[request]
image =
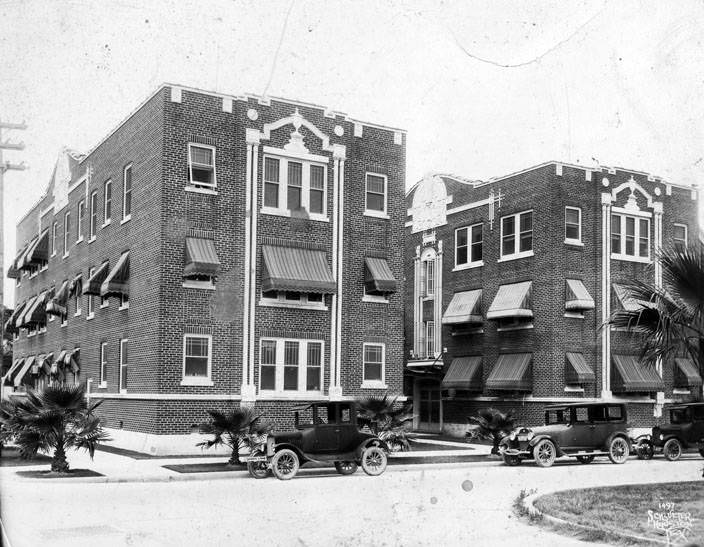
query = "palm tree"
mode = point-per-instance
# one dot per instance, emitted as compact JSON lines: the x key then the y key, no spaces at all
{"x":240,"y":428}
{"x":670,"y":317}
{"x":55,"y":419}
{"x":387,"y":419}
{"x":490,"y":423}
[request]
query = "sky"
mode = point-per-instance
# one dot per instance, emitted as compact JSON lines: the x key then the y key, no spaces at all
{"x":483,"y":88}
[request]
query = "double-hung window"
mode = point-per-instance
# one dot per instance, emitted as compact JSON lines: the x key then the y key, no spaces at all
{"x":67,"y":233}
{"x":294,"y":185}
{"x":573,"y":225}
{"x":201,"y":165}
{"x":91,"y":303}
{"x":77,"y":298}
{"x":375,"y":194}
{"x":93,"y":228}
{"x":123,"y":364}
{"x":517,"y":235}
{"x":290,"y":366}
{"x":54,"y":237}
{"x":107,"y":203}
{"x":127,"y":193}
{"x":79,"y":220}
{"x":630,"y":237}
{"x":468,"y":246}
{"x":679,"y":235}
{"x":103,"y":364}
{"x":197,"y":359}
{"x":374,"y":365}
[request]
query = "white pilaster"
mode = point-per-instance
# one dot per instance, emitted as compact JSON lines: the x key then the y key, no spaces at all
{"x":437,"y":309}
{"x":657,"y":247}
{"x":339,"y":154}
{"x":606,"y":295}
{"x":416,"y":302}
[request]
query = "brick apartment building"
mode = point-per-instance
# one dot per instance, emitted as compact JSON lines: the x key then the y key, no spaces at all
{"x":212,"y":251}
{"x":509,"y":281}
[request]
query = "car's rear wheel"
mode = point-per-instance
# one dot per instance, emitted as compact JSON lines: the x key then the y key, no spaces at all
{"x":619,"y":449}
{"x":545,"y":453}
{"x":511,"y":460}
{"x":672,"y":450}
{"x":285,"y":464}
{"x":585,"y":459}
{"x":373,"y":460}
{"x":346,"y":468}
{"x":259,"y":470}
{"x":645,"y":450}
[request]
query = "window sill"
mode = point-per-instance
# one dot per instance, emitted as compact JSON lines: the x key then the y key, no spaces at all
{"x":44,"y":268}
{"x":104,"y":305}
{"x":123,"y":391}
{"x":678,"y":391}
{"x":507,"y":258}
{"x":125,"y":221}
{"x":520,"y":327}
{"x":574,"y":389}
{"x":468,"y":266}
{"x":318,"y":217}
{"x":90,"y":316}
{"x":125,"y":307}
{"x":373,"y":385}
{"x":63,"y":325}
{"x":296,"y":395}
{"x":106,"y":223}
{"x":279,"y":304}
{"x":376,"y":214}
{"x":375,"y":299}
{"x":103,"y":385}
{"x":79,"y":240}
{"x":65,"y":256}
{"x":91,"y":240}
{"x":574,"y":242}
{"x":574,"y":315}
{"x":205,"y":285}
{"x":197,"y":382}
{"x":53,"y":254}
{"x":201,"y":190}
{"x":628,"y":258}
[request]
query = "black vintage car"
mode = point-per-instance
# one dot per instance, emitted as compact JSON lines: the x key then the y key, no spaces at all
{"x":325,"y":432}
{"x":581,"y":430}
{"x":685,"y":430}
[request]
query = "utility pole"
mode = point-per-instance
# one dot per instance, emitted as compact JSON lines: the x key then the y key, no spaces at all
{"x":6,"y":166}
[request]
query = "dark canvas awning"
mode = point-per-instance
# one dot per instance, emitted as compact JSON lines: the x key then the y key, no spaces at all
{"x":686,"y":374}
{"x":16,"y":365}
{"x":577,"y":371}
{"x":11,"y":323}
{"x":20,"y":322}
{"x":577,"y":297}
{"x":36,"y":313}
{"x":628,"y":375}
{"x":28,"y":362}
{"x":92,"y":286}
{"x":72,"y":360}
{"x":116,"y":283}
{"x":464,"y":373}
{"x":44,"y":363}
{"x":13,"y":271}
{"x":626,"y":301}
{"x":76,"y":285}
{"x":512,"y":372}
{"x":22,"y":263}
{"x":512,"y":300}
{"x":378,"y":278}
{"x":57,"y":304}
{"x":465,"y":307}
{"x":201,"y":257}
{"x":39,"y":252}
{"x":294,"y":269}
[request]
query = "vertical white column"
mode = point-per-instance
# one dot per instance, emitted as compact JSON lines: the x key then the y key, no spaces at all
{"x":335,"y":390}
{"x":657,"y":246}
{"x":605,"y":295}
{"x":416,"y":303}
{"x":437,"y":304}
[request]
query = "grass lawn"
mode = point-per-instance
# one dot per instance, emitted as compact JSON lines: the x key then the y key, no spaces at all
{"x":625,"y":508}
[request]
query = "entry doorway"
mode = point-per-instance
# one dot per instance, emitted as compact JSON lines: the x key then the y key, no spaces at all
{"x":428,"y":408}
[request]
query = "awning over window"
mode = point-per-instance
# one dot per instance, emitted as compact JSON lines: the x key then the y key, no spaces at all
{"x":16,"y":365}
{"x":22,"y":262}
{"x":57,"y":304}
{"x":465,"y":307}
{"x":512,"y":372}
{"x":577,"y":371}
{"x":72,"y":360}
{"x":92,"y":286}
{"x":11,"y":323}
{"x":76,"y":285}
{"x":13,"y":271}
{"x":686,"y":374}
{"x":28,"y":362}
{"x":39,"y":252}
{"x":512,"y":301}
{"x":22,"y":317}
{"x":36,"y":313}
{"x":294,"y":269}
{"x":628,"y":375}
{"x":625,"y":300}
{"x":116,"y":283}
{"x":378,"y":278}
{"x":43,"y":364}
{"x":201,"y":258}
{"x":577,"y":296}
{"x":464,"y":373}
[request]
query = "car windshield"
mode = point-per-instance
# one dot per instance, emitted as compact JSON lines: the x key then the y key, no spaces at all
{"x":679,"y":416}
{"x":556,"y":416}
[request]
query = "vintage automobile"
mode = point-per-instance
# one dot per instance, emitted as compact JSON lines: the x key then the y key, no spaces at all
{"x":685,"y":430}
{"x":325,"y":432}
{"x":580,"y":430}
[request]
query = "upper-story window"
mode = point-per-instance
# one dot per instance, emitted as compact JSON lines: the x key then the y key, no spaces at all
{"x":573,"y":225}
{"x":107,"y":203}
{"x":429,"y":277}
{"x":54,"y":237}
{"x":292,"y":299}
{"x":127,"y":193}
{"x":123,"y":364}
{"x":517,"y":235}
{"x":67,"y":233}
{"x":630,"y":237}
{"x":201,"y":165}
{"x":291,"y":185}
{"x":375,"y":195}
{"x":79,"y":220}
{"x":374,"y":365}
{"x":103,"y":364}
{"x":93,"y":228}
{"x":468,"y":245}
{"x":679,"y":235}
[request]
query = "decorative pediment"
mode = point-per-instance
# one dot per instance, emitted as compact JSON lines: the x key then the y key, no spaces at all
{"x":631,"y":202}
{"x":297,"y":141}
{"x":429,"y":207}
{"x":61,"y":180}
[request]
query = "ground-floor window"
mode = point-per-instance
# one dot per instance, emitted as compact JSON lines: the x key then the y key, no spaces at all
{"x":197,"y":359}
{"x":374,"y":358}
{"x":290,"y":366}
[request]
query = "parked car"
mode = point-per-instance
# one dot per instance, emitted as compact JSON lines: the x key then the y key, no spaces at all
{"x":685,"y":430}
{"x":325,"y":432}
{"x":580,"y":430}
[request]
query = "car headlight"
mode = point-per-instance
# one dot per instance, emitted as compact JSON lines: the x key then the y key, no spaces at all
{"x":661,"y":437}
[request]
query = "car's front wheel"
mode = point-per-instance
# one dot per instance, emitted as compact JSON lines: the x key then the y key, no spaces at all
{"x":259,"y":470}
{"x":545,"y":453}
{"x":346,"y":468}
{"x":672,"y":450}
{"x":373,"y":460}
{"x":285,"y":464}
{"x":619,"y":450}
{"x":585,"y":459}
{"x":645,"y":450}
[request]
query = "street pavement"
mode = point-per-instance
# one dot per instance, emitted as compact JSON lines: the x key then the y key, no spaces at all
{"x":138,"y":502}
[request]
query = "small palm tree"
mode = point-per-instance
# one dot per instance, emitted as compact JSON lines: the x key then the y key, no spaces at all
{"x":490,"y":423}
{"x":387,"y":419}
{"x":240,"y":428}
{"x":55,"y":419}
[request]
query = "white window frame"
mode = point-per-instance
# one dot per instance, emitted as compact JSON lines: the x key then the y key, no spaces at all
{"x":91,"y":302}
{"x":124,"y":302}
{"x":93,"y":219}
{"x":197,"y":380}
{"x":123,"y":364}
{"x":374,"y":212}
{"x":282,"y":302}
{"x":107,"y":219}
{"x":578,"y":240}
{"x":78,"y":301}
{"x":103,"y":365}
{"x":470,"y":263}
{"x":282,"y":208}
{"x":54,"y":236}
{"x":430,"y":341}
{"x":211,"y":185}
{"x":125,"y":215}
{"x":676,"y":240}
{"x":79,"y":220}
{"x":636,"y":235}
{"x":301,"y":392}
{"x":374,"y":384}
{"x":517,"y":237}
{"x":104,"y":302}
{"x":67,"y":232}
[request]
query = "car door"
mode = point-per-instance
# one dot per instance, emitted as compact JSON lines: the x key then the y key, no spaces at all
{"x":327,"y":432}
{"x":696,"y":433}
{"x":581,"y":429}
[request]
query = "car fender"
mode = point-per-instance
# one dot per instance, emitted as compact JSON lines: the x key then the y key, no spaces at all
{"x":373,"y":441}
{"x":535,"y":440}
{"x":666,"y":438}
{"x":301,"y":456}
{"x":615,"y":434}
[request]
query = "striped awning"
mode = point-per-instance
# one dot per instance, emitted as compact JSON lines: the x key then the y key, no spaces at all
{"x":512,"y":300}
{"x":28,"y":362}
{"x":686,"y":373}
{"x":295,"y":269}
{"x":13,"y":271}
{"x":19,"y":322}
{"x":512,"y":372}
{"x":464,"y":373}
{"x":628,"y":375}
{"x":577,"y":371}
{"x":44,"y":364}
{"x":76,"y":285}
{"x":378,"y":278}
{"x":116,"y":283}
{"x":57,"y":304}
{"x":95,"y":281}
{"x":626,"y":301}
{"x":72,"y":360}
{"x":16,"y":365}
{"x":200,"y":257}
{"x":22,"y":263}
{"x":11,"y":323}
{"x":577,"y":297}
{"x":465,"y":307}
{"x":39,"y":251}
{"x":36,"y":312}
